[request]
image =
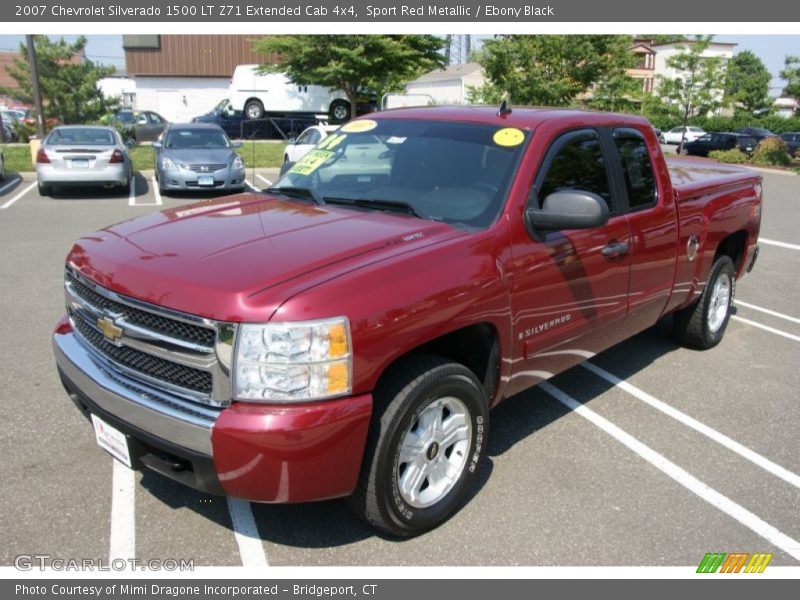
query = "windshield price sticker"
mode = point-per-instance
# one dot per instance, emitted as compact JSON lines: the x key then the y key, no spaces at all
{"x":331,"y":142}
{"x":310,"y":162}
{"x":508,"y":137}
{"x":359,"y":126}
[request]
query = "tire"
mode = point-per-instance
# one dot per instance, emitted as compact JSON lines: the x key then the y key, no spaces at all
{"x":254,"y":109}
{"x":339,"y":111}
{"x":703,"y":324}
{"x":415,"y":391}
{"x":44,"y":190}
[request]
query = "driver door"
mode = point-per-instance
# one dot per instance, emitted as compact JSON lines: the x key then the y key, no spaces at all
{"x":569,"y":288}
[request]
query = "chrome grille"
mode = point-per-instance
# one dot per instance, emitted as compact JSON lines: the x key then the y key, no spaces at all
{"x":210,"y":168}
{"x":186,"y":356}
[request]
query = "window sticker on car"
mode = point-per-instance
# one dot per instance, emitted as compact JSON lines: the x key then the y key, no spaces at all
{"x":310,"y":162}
{"x":359,"y":126}
{"x":331,"y":142}
{"x":508,"y":137}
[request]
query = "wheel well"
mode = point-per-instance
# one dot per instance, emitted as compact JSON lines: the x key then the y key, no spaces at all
{"x":734,"y":246}
{"x":249,"y":100}
{"x":476,"y":347}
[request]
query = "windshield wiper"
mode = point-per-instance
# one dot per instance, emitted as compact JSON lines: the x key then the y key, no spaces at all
{"x":297,"y":192}
{"x":378,"y":204}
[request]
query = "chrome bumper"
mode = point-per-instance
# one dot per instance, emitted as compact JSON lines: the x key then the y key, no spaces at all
{"x":148,"y":409}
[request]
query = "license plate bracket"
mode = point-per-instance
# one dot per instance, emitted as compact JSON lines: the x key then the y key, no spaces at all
{"x":112,"y":440}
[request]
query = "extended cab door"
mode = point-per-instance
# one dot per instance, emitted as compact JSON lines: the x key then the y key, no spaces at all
{"x":572,"y":284}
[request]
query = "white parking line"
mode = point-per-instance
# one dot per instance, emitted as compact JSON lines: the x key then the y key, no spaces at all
{"x":251,"y":186}
{"x":768,"y":311}
{"x":789,"y":336}
{"x":132,"y":196}
{"x":707,"y":431}
{"x":123,"y":505}
{"x":156,"y":194}
{"x":264,"y":179}
{"x":779,"y":244}
{"x":244,"y":529}
{"x":681,"y":476}
{"x":18,"y":196}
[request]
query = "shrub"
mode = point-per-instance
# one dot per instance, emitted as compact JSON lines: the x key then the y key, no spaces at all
{"x":732,"y":156}
{"x":772,"y":151}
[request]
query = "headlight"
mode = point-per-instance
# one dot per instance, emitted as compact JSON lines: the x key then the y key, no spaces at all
{"x":284,"y":362}
{"x":167,"y":164}
{"x":238,"y":162}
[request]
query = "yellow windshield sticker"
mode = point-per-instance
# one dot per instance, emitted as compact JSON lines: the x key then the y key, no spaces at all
{"x":508,"y":136}
{"x":359,"y":126}
{"x":333,"y":141}
{"x":310,"y":162}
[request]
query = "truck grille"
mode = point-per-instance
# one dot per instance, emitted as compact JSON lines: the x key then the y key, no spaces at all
{"x":184,"y":355}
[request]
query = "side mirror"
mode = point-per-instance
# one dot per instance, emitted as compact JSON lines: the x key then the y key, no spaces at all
{"x":574,"y":209}
{"x":291,"y":140}
{"x":130,"y":142}
{"x":229,"y":110}
{"x":236,"y":144}
{"x":141,"y":120}
{"x":157,"y":145}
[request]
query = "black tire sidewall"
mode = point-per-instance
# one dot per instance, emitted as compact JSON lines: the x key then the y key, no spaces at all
{"x":723,"y":267}
{"x":334,"y":105}
{"x":404,"y":515}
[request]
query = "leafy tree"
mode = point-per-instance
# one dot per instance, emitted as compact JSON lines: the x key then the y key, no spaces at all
{"x":350,"y":63}
{"x":69,"y":85}
{"x":662,"y":38}
{"x":748,"y":82}
{"x":698,"y":84}
{"x":552,"y":69}
{"x":791,"y":73}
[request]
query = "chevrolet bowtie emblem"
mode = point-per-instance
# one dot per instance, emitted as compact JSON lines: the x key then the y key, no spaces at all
{"x":110,"y":330}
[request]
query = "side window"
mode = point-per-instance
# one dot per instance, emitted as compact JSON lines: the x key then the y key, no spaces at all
{"x":636,"y":168}
{"x":154,"y":118}
{"x":313,"y":137}
{"x":578,"y":165}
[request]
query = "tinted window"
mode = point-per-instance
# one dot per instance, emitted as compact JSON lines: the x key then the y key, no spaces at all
{"x":637,"y":170}
{"x":154,"y":118}
{"x":578,"y":165}
{"x":86,"y":136}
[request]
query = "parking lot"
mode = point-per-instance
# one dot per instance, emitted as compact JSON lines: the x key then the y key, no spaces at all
{"x":652,"y":454}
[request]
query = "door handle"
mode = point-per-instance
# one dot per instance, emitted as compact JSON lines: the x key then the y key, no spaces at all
{"x":615,"y":249}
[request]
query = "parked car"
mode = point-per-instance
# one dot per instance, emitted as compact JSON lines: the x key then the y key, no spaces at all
{"x":758,"y":133}
{"x":674,"y":135}
{"x":792,"y":141}
{"x":298,"y":147}
{"x":8,"y":132}
{"x":234,"y":124}
{"x":659,"y":135}
{"x":347,"y":332}
{"x":720,"y":141}
{"x":258,"y":95}
{"x":197,"y":156}
{"x":81,"y":155}
{"x":12,"y":115}
{"x":144,"y":125}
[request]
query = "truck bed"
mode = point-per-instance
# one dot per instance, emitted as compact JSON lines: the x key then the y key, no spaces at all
{"x":693,"y":177}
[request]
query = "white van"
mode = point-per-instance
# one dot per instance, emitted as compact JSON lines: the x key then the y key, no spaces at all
{"x":272,"y":94}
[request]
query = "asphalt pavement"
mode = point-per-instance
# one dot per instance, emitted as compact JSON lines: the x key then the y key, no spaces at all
{"x":654,"y":454}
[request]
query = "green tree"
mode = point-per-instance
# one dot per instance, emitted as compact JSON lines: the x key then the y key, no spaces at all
{"x":791,"y":73}
{"x":748,"y":83}
{"x":552,"y":69}
{"x":69,"y":84}
{"x":350,"y":63}
{"x":698,"y":85}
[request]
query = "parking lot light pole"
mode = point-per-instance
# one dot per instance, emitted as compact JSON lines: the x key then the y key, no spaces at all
{"x":37,"y":92}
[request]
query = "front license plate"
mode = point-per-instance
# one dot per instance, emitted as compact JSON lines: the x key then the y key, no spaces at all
{"x":80,"y":163}
{"x":205,"y":180}
{"x":112,"y":440}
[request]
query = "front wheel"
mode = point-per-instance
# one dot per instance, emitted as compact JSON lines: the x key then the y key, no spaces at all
{"x":254,"y":109}
{"x":703,"y":324}
{"x":428,"y":436}
{"x":339,"y":111}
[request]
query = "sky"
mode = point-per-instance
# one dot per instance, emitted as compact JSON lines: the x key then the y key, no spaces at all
{"x":771,"y":49}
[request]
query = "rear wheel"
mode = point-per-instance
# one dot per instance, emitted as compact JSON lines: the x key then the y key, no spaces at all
{"x":703,"y":324}
{"x":339,"y":111}
{"x":428,"y":435}
{"x":254,"y":109}
{"x":44,"y":190}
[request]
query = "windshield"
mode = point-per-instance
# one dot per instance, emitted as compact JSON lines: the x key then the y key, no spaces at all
{"x":219,"y":107}
{"x":182,"y":139}
{"x":458,"y":173}
{"x":126,"y":117}
{"x":84,"y":135}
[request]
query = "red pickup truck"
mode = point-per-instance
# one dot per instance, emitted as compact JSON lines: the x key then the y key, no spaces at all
{"x":346,"y":332}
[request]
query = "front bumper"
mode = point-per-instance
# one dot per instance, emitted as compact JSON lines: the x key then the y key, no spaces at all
{"x":186,"y":180}
{"x":114,"y":174}
{"x":263,"y":453}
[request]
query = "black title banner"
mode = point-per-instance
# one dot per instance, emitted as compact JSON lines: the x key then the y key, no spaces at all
{"x":453,"y":11}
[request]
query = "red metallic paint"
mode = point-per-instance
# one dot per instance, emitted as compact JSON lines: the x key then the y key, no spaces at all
{"x":255,"y":258}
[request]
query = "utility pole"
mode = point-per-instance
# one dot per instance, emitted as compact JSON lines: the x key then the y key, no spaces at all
{"x":37,"y":92}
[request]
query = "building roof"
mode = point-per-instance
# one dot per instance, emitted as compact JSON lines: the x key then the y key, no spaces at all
{"x":458,"y":71}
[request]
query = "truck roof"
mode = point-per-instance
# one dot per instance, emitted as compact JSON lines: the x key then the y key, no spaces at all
{"x":523,"y":117}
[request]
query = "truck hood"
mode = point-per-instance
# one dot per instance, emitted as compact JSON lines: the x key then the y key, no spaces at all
{"x":227,"y":258}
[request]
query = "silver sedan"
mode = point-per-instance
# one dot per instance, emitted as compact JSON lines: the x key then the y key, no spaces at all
{"x":81,"y":155}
